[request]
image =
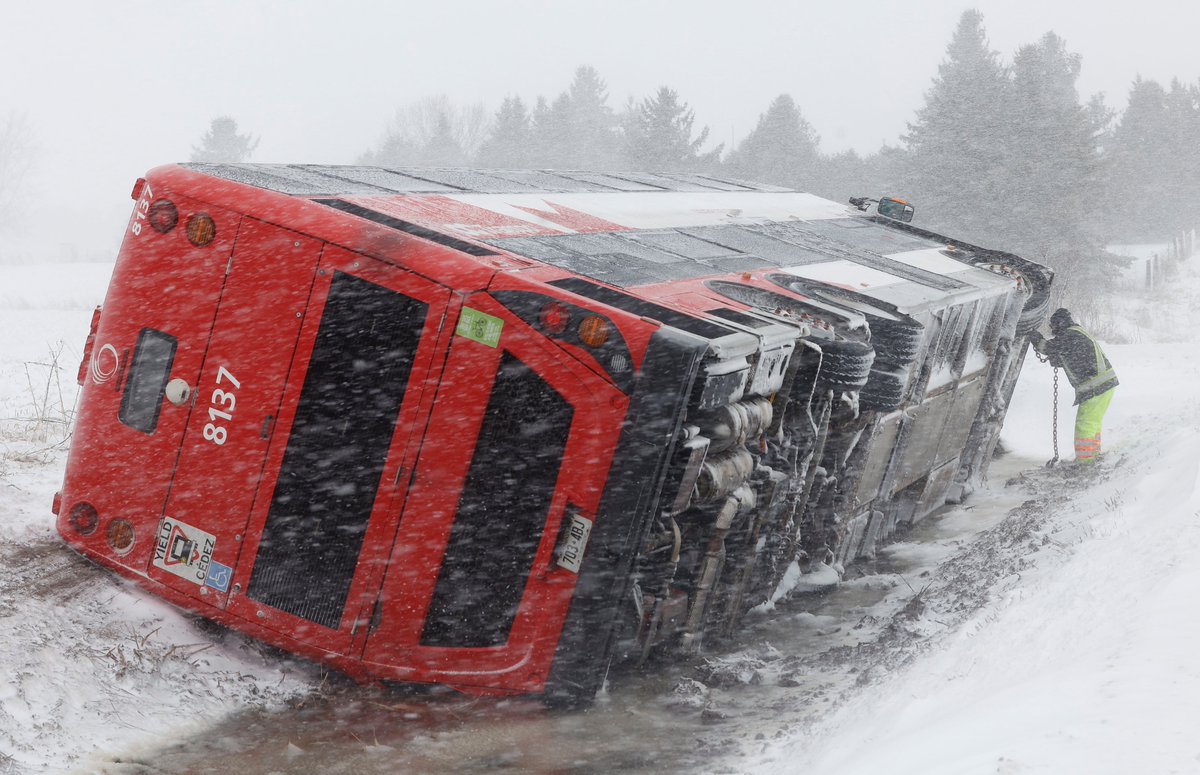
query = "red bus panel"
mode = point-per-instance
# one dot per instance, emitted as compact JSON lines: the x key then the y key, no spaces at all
{"x":518,"y":450}
{"x":234,"y":410}
{"x":356,"y":400}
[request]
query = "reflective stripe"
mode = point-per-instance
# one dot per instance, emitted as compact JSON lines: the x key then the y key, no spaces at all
{"x":1103,"y":373}
{"x":1096,"y":381}
{"x":1087,"y":449}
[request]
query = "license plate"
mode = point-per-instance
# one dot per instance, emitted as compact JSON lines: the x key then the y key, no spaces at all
{"x":570,"y":548}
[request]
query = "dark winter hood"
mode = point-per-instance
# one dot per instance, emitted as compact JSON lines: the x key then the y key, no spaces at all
{"x":1060,"y":321}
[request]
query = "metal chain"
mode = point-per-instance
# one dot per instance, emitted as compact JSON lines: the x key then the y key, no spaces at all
{"x":1044,"y":359}
{"x":1054,"y":459}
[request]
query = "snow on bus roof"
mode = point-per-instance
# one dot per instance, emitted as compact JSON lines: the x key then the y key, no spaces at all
{"x":624,"y":228}
{"x":334,"y":180}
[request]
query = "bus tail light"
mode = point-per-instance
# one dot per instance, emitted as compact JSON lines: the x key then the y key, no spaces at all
{"x":555,"y":317}
{"x":201,"y":230}
{"x":163,"y":216}
{"x":88,"y":345}
{"x":83,"y":518}
{"x":120,"y":536}
{"x":593,"y":331}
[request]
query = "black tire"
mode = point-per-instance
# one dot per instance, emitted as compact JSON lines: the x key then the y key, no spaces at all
{"x":1032,"y":318}
{"x":1034,"y":281}
{"x":885,"y":388}
{"x":845,"y":364}
{"x":897,"y":342}
{"x":896,"y":336}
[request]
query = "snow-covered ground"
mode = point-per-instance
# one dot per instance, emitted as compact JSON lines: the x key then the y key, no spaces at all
{"x":90,"y":664}
{"x":1083,"y":660}
{"x":1043,"y":627}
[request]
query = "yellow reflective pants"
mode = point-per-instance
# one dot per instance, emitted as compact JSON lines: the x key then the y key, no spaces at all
{"x":1088,"y":418}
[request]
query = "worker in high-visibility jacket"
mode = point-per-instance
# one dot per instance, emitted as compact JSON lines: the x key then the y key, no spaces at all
{"x":1091,"y":374}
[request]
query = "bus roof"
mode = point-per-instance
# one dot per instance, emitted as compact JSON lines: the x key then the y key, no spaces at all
{"x":626,"y":229}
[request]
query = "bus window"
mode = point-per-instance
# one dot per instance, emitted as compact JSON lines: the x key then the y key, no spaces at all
{"x":501,"y":511}
{"x":152,"y":359}
{"x":519,"y":444}
{"x":325,"y":493}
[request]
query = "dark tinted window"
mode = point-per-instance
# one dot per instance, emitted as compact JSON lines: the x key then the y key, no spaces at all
{"x":148,"y":375}
{"x":502,"y":511}
{"x":339,"y":441}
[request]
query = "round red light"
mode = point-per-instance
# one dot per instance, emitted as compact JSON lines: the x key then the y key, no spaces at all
{"x":555,"y":318}
{"x":83,"y":518}
{"x":163,"y":216}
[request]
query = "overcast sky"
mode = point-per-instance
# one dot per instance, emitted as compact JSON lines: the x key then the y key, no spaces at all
{"x":113,"y":88}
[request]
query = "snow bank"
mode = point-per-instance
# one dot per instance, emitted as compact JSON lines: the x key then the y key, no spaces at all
{"x":1086,"y":664}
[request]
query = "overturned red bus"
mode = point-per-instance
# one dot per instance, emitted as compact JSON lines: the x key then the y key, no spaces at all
{"x":496,"y":429}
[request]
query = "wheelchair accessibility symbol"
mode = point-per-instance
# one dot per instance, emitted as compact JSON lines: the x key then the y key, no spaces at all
{"x":218,"y":576}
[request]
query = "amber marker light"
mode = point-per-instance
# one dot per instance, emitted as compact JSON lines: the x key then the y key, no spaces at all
{"x":120,"y":536}
{"x":201,"y":230}
{"x":593,"y":331}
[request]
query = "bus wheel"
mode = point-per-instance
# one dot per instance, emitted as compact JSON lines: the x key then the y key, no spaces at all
{"x":845,"y":365}
{"x":884,"y":390}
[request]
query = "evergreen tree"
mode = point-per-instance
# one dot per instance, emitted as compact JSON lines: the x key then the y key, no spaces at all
{"x":658,"y":136}
{"x":1181,"y":189}
{"x":222,"y":143}
{"x":393,"y":151}
{"x":577,"y":130}
{"x":591,"y":141}
{"x":442,"y":148}
{"x":957,"y":144}
{"x":1154,"y":161}
{"x":781,"y":149}
{"x":1138,"y":164}
{"x":1051,"y":167}
{"x":509,"y":144}
{"x":883,"y":173}
{"x":549,"y":127}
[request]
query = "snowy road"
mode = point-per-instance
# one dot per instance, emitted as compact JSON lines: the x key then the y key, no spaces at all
{"x":1043,"y":627}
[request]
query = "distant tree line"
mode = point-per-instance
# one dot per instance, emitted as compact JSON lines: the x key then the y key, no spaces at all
{"x":1003,"y":155}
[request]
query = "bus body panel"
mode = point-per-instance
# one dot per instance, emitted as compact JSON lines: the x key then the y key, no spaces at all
{"x":234,"y":410}
{"x":518,"y":448}
{"x":138,"y":306}
{"x":351,"y":417}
